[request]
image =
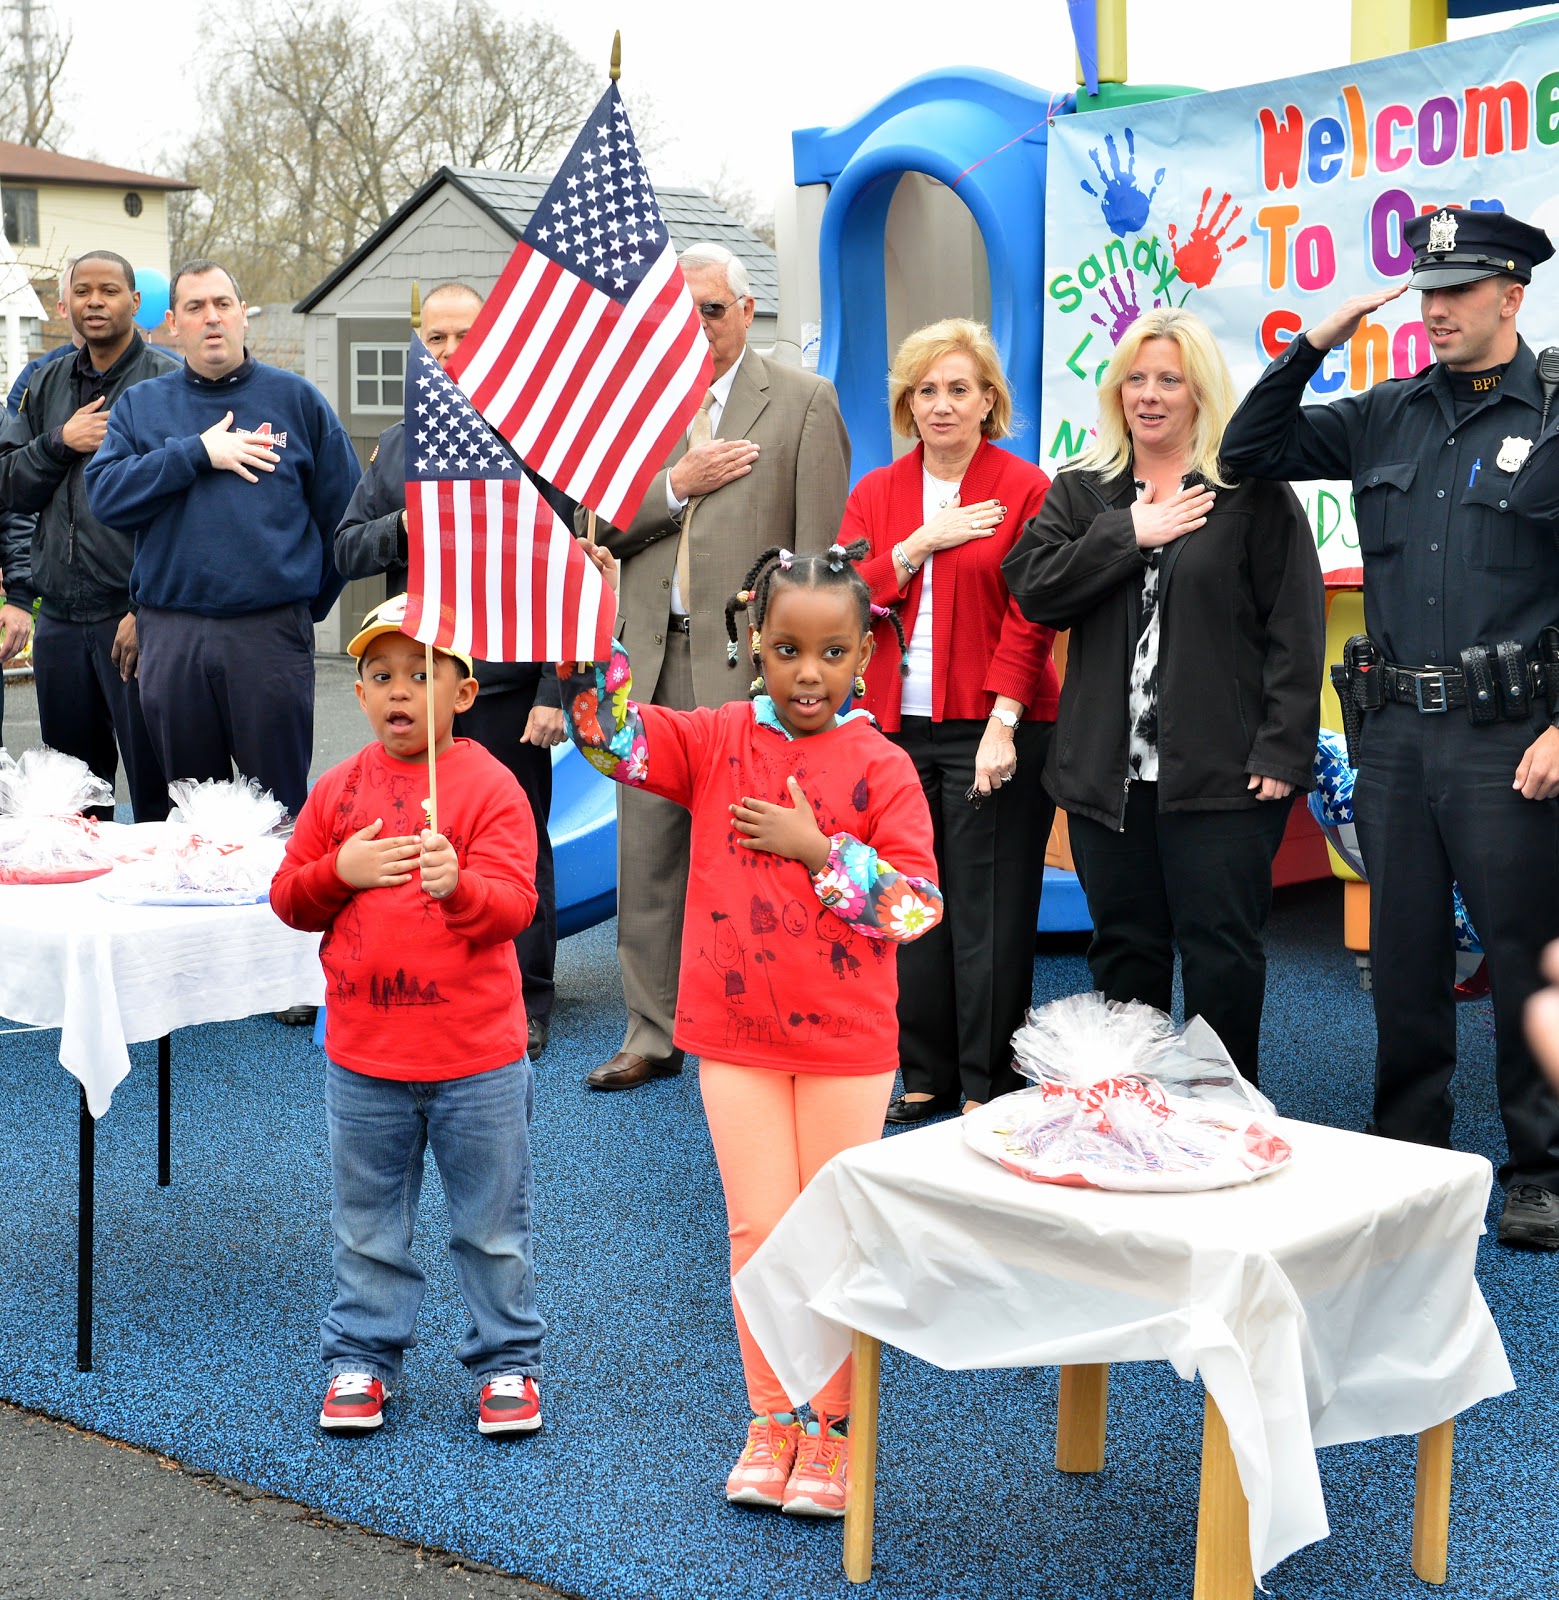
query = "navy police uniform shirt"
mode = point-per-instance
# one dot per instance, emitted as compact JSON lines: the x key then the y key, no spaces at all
{"x":1448,"y":560}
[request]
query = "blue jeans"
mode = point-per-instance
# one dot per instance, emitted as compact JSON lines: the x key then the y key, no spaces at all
{"x":479,"y":1128}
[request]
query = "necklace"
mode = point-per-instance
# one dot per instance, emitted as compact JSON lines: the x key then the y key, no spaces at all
{"x":948,"y":492}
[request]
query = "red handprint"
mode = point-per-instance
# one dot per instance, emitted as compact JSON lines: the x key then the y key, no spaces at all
{"x":1200,"y":257}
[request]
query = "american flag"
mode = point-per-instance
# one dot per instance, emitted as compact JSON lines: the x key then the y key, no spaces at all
{"x":493,"y":569}
{"x":588,"y":356}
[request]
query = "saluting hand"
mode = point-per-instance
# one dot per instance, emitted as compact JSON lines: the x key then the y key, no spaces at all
{"x":782,"y":830}
{"x":1344,"y":321}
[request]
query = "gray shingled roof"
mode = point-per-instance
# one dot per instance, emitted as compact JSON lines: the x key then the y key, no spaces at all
{"x":510,"y":198}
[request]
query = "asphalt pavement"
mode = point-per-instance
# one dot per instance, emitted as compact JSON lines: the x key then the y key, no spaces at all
{"x":84,"y":1516}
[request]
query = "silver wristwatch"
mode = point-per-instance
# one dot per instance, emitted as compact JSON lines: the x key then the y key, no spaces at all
{"x":1008,"y":719}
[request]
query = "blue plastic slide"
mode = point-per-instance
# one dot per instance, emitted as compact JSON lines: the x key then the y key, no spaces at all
{"x":583,"y":826}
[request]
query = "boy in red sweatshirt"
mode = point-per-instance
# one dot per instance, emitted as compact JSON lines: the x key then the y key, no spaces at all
{"x":425,"y":1031}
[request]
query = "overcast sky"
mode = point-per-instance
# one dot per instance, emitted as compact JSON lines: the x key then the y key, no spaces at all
{"x":732,"y":81}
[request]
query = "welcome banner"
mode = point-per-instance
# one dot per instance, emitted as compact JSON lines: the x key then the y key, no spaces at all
{"x":1264,"y":208}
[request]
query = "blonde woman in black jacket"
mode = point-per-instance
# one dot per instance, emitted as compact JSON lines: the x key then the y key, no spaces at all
{"x":1191,"y":701}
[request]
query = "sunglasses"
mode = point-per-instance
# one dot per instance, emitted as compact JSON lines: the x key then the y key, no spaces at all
{"x":714,"y":310}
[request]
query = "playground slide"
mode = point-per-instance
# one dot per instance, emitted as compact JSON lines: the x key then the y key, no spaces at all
{"x":583,"y":825}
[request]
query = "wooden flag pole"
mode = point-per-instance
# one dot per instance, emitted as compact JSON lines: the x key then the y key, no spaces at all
{"x":616,"y":74}
{"x":431,"y":805}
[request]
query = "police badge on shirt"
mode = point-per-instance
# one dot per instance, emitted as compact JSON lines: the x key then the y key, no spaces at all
{"x":1512,"y":452}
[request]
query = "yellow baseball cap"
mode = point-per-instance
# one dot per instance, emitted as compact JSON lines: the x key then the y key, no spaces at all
{"x":388,"y":617}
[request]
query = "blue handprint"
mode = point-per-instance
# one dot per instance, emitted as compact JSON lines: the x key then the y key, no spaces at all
{"x":1124,"y":205}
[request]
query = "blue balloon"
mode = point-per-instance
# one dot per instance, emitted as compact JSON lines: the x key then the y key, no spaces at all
{"x":154,"y":297}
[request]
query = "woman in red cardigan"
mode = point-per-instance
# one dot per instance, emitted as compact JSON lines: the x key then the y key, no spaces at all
{"x":972,"y":702}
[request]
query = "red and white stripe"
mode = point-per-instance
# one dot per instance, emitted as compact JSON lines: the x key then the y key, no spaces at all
{"x":592,"y":393}
{"x":494,"y":573}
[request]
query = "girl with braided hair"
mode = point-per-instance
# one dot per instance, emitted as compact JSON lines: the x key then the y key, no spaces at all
{"x":811,"y":862}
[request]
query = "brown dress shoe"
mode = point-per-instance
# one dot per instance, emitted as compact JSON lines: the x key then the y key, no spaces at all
{"x":627,"y":1071}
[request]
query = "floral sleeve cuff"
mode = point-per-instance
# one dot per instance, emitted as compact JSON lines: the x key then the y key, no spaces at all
{"x":602,"y":720}
{"x":860,"y":888}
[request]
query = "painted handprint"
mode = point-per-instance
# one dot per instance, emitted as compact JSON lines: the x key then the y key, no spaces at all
{"x":1123,"y":309}
{"x":1199,"y":258}
{"x":1123,"y":203}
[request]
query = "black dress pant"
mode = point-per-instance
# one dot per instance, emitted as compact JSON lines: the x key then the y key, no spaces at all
{"x":496,"y":721}
{"x":225,"y":692}
{"x":965,"y":986}
{"x":87,"y":710}
{"x":1199,"y":880}
{"x":1434,"y":804}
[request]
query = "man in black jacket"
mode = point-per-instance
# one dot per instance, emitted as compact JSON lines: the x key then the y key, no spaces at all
{"x":516,"y":715}
{"x":84,"y":651}
{"x":15,"y":623}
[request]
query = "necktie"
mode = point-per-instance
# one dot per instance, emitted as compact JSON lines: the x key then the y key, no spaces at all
{"x":700,"y":433}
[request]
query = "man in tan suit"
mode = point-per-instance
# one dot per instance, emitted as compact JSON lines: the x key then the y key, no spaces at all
{"x":772,"y":469}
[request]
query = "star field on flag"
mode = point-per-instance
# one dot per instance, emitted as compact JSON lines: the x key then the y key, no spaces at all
{"x":588,"y":356}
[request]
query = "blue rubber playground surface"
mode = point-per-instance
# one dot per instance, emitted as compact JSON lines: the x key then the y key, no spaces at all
{"x":209,"y":1295}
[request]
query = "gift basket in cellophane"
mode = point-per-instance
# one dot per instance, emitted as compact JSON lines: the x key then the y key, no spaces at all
{"x":1124,"y":1099}
{"x":219,"y":848}
{"x":43,"y":836}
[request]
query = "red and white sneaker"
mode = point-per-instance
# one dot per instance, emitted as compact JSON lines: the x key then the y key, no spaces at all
{"x":764,"y":1466}
{"x":354,"y":1403}
{"x":820,"y":1483}
{"x":510,"y":1404}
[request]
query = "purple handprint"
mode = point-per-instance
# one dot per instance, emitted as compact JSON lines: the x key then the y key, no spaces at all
{"x":1199,"y":258}
{"x":1124,"y":205}
{"x":1123,"y":309}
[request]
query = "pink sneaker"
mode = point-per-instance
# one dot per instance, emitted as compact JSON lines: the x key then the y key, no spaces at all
{"x":354,"y":1403}
{"x":820,"y":1481}
{"x":764,"y":1467}
{"x":511,"y":1404}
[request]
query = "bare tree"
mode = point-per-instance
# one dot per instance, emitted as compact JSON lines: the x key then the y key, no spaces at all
{"x":321,"y":121}
{"x":34,"y":54}
{"x":737,"y":198}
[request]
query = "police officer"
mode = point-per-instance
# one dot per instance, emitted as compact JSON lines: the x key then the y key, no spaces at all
{"x":516,"y":715}
{"x":1459,"y":764}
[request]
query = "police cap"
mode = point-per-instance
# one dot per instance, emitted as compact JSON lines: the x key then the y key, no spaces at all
{"x":1455,"y":246}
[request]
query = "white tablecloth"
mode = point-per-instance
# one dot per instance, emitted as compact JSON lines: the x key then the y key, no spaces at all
{"x":1331,"y":1302}
{"x":107,"y":975}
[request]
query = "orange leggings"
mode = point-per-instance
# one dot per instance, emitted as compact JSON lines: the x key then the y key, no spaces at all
{"x":772,"y":1131}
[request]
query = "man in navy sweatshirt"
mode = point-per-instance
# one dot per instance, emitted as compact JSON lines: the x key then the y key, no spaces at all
{"x":232,"y":475}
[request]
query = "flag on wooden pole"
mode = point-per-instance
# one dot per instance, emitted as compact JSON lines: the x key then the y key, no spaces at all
{"x":588,"y":356}
{"x":493,"y":570}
